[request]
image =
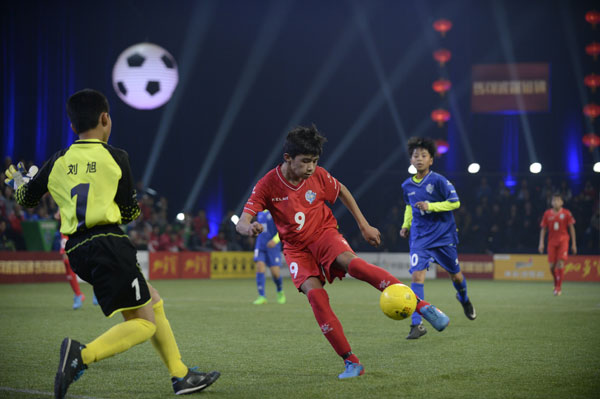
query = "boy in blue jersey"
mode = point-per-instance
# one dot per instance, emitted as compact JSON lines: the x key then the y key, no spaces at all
{"x":430,"y":199}
{"x":267,"y":252}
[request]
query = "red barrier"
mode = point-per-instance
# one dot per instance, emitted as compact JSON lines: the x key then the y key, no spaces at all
{"x":31,"y":267}
{"x":582,"y":268}
{"x":172,"y":265}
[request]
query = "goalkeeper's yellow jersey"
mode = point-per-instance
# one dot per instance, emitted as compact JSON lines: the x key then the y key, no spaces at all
{"x":91,"y":183}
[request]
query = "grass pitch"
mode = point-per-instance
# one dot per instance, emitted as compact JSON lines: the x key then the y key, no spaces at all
{"x":525,"y":343}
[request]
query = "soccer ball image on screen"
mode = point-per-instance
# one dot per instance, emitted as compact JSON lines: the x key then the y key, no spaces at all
{"x":398,"y":301}
{"x":145,"y":76}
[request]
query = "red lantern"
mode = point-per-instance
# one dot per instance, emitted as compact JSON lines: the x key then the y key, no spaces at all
{"x":591,"y":110}
{"x":593,"y":17}
{"x":441,"y":86}
{"x":442,"y":56}
{"x":593,"y":49}
{"x":592,"y":81}
{"x":442,"y":146}
{"x":591,"y":140}
{"x":440,"y":116}
{"x":442,"y":26}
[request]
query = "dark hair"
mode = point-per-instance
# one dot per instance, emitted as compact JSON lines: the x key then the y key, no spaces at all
{"x":421,"y":142}
{"x":559,"y":195}
{"x":304,"y":140}
{"x":84,"y":109}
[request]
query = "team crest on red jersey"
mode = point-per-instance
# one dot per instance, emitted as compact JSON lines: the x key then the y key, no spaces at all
{"x":310,"y":196}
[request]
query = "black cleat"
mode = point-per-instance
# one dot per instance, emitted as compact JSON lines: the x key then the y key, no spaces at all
{"x":468,"y":308}
{"x":193,"y":381}
{"x":70,"y":367}
{"x":416,"y":331}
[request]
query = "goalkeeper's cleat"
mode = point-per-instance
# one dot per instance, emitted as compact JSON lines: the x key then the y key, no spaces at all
{"x":261,"y":300}
{"x":468,"y":308}
{"x":416,"y":331}
{"x":435,"y":317}
{"x":352,"y":370}
{"x":70,"y":367}
{"x":95,"y":300}
{"x":193,"y":381}
{"x":78,"y":301}
{"x":281,"y":297}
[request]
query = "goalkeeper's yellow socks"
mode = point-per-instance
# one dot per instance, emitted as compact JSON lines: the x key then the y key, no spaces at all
{"x":118,"y":339}
{"x":165,"y":344}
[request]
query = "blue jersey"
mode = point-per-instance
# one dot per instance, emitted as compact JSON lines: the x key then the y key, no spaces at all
{"x":430,"y":229}
{"x":269,"y":230}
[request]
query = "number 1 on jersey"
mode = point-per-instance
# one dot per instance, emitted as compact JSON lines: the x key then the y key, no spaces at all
{"x":81,"y":191}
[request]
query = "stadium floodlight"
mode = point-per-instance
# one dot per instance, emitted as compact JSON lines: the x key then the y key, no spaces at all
{"x":474,"y":168}
{"x":597,"y":167}
{"x":235,"y":219}
{"x":412,"y":170}
{"x":535,"y":167}
{"x":180,"y":216}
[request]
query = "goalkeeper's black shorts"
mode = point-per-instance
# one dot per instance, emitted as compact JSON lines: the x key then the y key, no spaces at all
{"x":104,"y":257}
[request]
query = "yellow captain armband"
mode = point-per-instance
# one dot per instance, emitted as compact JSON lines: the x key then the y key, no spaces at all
{"x":276,"y":239}
{"x":407,"y":217}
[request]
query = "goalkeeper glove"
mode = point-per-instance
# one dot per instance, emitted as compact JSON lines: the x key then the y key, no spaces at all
{"x":16,"y":177}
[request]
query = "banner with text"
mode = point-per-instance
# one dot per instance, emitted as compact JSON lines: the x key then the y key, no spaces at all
{"x":473,"y":266}
{"x":510,"y":88}
{"x":31,"y":267}
{"x":582,"y":268}
{"x":232,"y":265}
{"x":521,"y":267}
{"x":172,"y":265}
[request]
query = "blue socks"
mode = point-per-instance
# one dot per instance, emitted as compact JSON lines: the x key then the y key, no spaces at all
{"x":278,"y":282}
{"x":419,"y":290}
{"x":260,"y":283}
{"x":461,"y":288}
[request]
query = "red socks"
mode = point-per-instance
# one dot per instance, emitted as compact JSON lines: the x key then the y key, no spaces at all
{"x":329,"y":323}
{"x":558,"y":277}
{"x":71,"y":277}
{"x":374,"y":275}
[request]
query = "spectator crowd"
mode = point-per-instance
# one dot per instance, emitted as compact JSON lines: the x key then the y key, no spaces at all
{"x":492,"y":218}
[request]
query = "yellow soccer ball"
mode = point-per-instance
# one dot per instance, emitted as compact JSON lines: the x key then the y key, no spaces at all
{"x":398,"y":301}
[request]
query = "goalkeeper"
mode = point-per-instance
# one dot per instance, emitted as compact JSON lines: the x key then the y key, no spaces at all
{"x":92,"y":184}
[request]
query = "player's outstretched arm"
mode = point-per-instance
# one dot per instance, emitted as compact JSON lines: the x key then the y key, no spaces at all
{"x":245,"y":226}
{"x":369,"y":233}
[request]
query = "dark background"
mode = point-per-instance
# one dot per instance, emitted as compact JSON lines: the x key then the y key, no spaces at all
{"x":316,"y":56}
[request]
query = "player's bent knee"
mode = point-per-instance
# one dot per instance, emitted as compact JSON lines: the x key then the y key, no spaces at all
{"x":154,"y":294}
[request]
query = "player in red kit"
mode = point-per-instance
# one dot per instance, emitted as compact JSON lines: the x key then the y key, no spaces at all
{"x":71,"y":276}
{"x":556,"y":221}
{"x":296,"y":193}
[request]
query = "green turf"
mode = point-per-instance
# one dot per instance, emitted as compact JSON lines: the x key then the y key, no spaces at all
{"x":525,"y":343}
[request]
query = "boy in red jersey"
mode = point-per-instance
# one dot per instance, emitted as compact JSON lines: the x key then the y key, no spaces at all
{"x":555,"y":221}
{"x":295,"y":193}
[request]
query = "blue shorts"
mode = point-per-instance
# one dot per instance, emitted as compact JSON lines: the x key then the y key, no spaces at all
{"x":446,"y":257}
{"x":269,"y":256}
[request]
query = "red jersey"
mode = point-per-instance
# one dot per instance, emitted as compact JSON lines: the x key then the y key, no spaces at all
{"x":299,"y":212}
{"x":557,"y":223}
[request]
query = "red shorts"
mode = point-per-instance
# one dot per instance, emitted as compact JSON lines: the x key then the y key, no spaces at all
{"x":558,"y":250}
{"x":316,"y":259}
